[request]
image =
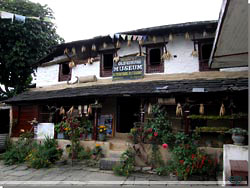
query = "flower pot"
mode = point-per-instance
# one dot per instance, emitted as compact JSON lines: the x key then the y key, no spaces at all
{"x":238,"y":139}
{"x":60,"y":135}
{"x":101,"y":137}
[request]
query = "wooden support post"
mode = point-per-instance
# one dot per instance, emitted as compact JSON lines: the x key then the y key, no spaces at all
{"x":95,"y":124}
{"x":187,"y":122}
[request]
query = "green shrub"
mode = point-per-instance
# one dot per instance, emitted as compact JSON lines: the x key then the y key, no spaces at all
{"x":127,"y":165}
{"x":43,"y":155}
{"x":17,"y":152}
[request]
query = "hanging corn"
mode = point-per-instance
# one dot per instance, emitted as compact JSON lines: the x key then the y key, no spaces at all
{"x":201,"y":110}
{"x":187,"y":37}
{"x":62,"y":111}
{"x":204,"y":33}
{"x":116,"y":59}
{"x":71,"y":64}
{"x":83,"y":49}
{"x":170,"y":37}
{"x":222,"y":110}
{"x":89,"y":110}
{"x":154,"y":39}
{"x":85,"y":109}
{"x":93,"y":48}
{"x":73,"y":51}
{"x":70,"y":110}
{"x":80,"y":110}
{"x":149,"y":108}
{"x":118,"y":44}
{"x":179,"y":110}
{"x":104,"y":45}
{"x":66,"y":51}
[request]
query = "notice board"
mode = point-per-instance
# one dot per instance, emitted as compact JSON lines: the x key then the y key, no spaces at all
{"x":128,"y":68}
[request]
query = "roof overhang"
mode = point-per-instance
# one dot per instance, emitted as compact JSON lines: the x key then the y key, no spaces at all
{"x":230,"y":48}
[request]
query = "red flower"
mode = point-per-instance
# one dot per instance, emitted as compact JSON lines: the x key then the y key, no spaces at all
{"x":155,"y":133}
{"x":181,"y":161}
{"x":150,"y":130}
{"x":165,"y":146}
{"x":193,"y":156}
{"x":187,"y":169}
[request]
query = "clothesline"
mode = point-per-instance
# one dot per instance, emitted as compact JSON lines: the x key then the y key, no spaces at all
{"x":21,"y":18}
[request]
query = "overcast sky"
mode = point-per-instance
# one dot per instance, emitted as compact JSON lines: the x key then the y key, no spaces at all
{"x":83,"y":19}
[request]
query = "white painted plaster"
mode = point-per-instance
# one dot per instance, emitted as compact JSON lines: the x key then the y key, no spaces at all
{"x":232,"y":152}
{"x":184,"y":62}
{"x":48,"y":75}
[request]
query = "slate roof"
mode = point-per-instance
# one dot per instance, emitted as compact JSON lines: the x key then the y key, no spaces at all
{"x":135,"y":88}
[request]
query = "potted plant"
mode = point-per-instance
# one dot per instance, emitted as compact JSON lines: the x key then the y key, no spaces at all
{"x":102,"y":132}
{"x":238,"y":135}
{"x":60,"y":129}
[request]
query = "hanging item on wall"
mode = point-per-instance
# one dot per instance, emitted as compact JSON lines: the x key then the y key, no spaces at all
{"x":83,"y":49}
{"x":222,"y":110}
{"x":149,"y":108}
{"x":179,"y":110}
{"x":93,"y":48}
{"x":194,"y":52}
{"x":62,"y":111}
{"x":70,"y":110}
{"x":166,"y":56}
{"x":123,"y":36}
{"x":89,"y":110}
{"x":90,"y":60}
{"x":116,"y":59}
{"x":118,"y":44}
{"x":73,"y":51}
{"x":85,"y":109}
{"x":104,"y":45}
{"x":170,"y":37}
{"x":66,"y":51}
{"x":80,"y":110}
{"x":187,"y":37}
{"x":129,"y":37}
{"x":201,"y":110}
{"x":141,"y":42}
{"x":134,"y":37}
{"x":204,"y":33}
{"x":71,"y":64}
{"x":154,"y":39}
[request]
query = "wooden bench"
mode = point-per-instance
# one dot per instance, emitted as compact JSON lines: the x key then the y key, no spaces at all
{"x":239,"y":168}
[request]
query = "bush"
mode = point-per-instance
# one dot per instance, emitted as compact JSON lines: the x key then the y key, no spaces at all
{"x":17,"y":152}
{"x":127,"y":165}
{"x":43,"y":155}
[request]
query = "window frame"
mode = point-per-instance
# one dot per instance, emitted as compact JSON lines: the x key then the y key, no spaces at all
{"x":61,"y":76}
{"x":154,"y":68}
{"x":203,"y":63}
{"x":106,"y":72}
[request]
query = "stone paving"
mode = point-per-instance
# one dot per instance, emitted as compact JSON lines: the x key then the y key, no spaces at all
{"x":79,"y":174}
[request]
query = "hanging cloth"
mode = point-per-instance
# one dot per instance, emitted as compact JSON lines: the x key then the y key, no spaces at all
{"x":7,"y":15}
{"x":20,"y":18}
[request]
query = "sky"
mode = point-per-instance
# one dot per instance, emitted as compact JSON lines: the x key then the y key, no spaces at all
{"x":83,"y":19}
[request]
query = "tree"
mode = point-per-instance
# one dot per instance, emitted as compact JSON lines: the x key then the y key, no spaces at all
{"x":23,"y":44}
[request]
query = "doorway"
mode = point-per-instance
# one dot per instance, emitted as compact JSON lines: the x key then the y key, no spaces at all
{"x":5,"y":121}
{"x":128,"y":111}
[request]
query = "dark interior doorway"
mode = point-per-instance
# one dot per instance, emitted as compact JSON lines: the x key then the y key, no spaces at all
{"x":5,"y":121}
{"x":127,"y":113}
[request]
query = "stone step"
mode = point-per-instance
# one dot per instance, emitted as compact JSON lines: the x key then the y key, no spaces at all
{"x":108,"y":163}
{"x":115,"y":154}
{"x":118,"y":146}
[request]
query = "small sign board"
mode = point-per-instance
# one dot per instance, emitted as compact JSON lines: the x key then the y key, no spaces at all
{"x":128,"y":68}
{"x":45,"y":130}
{"x":198,"y":90}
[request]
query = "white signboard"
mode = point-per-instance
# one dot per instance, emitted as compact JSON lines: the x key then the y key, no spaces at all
{"x":45,"y":130}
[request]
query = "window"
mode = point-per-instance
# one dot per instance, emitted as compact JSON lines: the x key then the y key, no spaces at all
{"x":154,"y":61}
{"x":64,"y":72}
{"x":155,"y":56}
{"x":205,"y":47}
{"x":106,"y":64}
{"x":108,"y":61}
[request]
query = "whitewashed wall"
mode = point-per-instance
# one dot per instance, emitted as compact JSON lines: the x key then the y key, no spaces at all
{"x":47,"y":75}
{"x":183,"y":63}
